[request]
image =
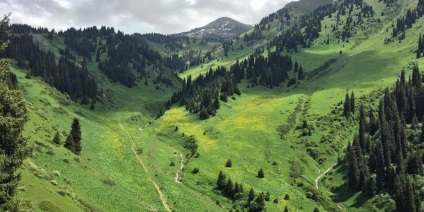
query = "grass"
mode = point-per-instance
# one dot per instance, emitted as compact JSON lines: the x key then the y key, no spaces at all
{"x":109,"y":177}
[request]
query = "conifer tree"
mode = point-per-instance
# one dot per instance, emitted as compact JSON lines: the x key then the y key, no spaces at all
{"x":14,"y":147}
{"x":222,"y":180}
{"x":251,"y":195}
{"x":229,"y":188}
{"x":56,"y":139}
{"x":352,"y":103}
{"x":228,"y":163}
{"x":300,"y":74}
{"x":260,"y":202}
{"x":261,"y":173}
{"x":76,"y":136}
{"x":347,"y":105}
{"x":362,"y":127}
{"x":70,"y":143}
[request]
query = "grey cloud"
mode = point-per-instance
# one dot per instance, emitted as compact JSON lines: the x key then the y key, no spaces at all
{"x":163,"y":16}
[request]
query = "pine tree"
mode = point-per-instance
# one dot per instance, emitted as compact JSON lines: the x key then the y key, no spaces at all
{"x":56,"y":139}
{"x":352,"y":103}
{"x":347,"y":105}
{"x":229,"y":163}
{"x":76,"y":137}
{"x":267,"y":196}
{"x":261,"y":173}
{"x":362,"y":128}
{"x":14,"y":147}
{"x":222,"y":180}
{"x":300,"y":74}
{"x":203,"y":113}
{"x":70,"y":143}
{"x":353,"y":171}
{"x":260,"y":202}
{"x":229,"y":188}
{"x":251,"y":195}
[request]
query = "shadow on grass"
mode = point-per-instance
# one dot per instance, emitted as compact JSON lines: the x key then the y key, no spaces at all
{"x":342,"y":193}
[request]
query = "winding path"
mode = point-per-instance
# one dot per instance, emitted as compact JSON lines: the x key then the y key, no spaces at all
{"x":321,"y":175}
{"x":178,"y":174}
{"x":161,"y":196}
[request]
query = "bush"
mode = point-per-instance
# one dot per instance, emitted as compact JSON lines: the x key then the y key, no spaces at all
{"x":195,"y":170}
{"x":109,"y":181}
{"x":172,"y":163}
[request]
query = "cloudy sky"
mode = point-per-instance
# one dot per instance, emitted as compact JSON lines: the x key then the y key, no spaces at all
{"x":163,"y":16}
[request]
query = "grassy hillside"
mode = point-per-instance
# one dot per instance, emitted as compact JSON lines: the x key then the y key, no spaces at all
{"x":133,"y":162}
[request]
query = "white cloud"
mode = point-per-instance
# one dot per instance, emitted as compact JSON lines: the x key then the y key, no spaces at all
{"x":162,"y":16}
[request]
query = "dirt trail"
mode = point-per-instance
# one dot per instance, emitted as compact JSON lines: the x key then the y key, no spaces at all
{"x":178,"y":174}
{"x":321,"y":175}
{"x":161,"y":196}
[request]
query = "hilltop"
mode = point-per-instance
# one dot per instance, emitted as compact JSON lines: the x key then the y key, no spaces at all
{"x":220,"y":28}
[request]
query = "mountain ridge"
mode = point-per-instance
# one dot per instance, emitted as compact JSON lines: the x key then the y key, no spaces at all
{"x":223,"y":27}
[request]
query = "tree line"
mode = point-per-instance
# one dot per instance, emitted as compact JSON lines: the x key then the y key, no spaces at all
{"x":406,"y":21}
{"x":64,"y":74}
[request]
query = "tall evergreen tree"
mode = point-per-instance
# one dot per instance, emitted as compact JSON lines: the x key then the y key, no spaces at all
{"x":362,"y":128}
{"x":76,"y":135}
{"x":14,"y":147}
{"x":221,"y":181}
{"x":73,"y":141}
{"x":56,"y":138}
{"x":69,"y":143}
{"x":251,"y":195}
{"x":352,"y":103}
{"x":347,"y":105}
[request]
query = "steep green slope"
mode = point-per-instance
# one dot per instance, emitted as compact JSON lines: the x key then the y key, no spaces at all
{"x":244,"y":129}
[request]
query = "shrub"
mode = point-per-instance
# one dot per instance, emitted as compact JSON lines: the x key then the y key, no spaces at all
{"x":109,"y":181}
{"x":195,"y":170}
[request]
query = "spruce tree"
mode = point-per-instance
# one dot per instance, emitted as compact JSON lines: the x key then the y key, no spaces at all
{"x":251,"y":195}
{"x":229,"y":188}
{"x":221,"y":181}
{"x":70,"y":143}
{"x":14,"y":147}
{"x":261,"y":173}
{"x":260,"y":202}
{"x":352,"y":102}
{"x":347,"y":105}
{"x":56,"y":139}
{"x":300,"y":74}
{"x":76,"y":137}
{"x":267,"y":196}
{"x":229,"y":163}
{"x":362,"y":128}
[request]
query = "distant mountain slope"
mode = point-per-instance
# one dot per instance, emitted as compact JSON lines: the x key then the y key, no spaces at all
{"x":308,"y":5}
{"x":222,"y":27}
